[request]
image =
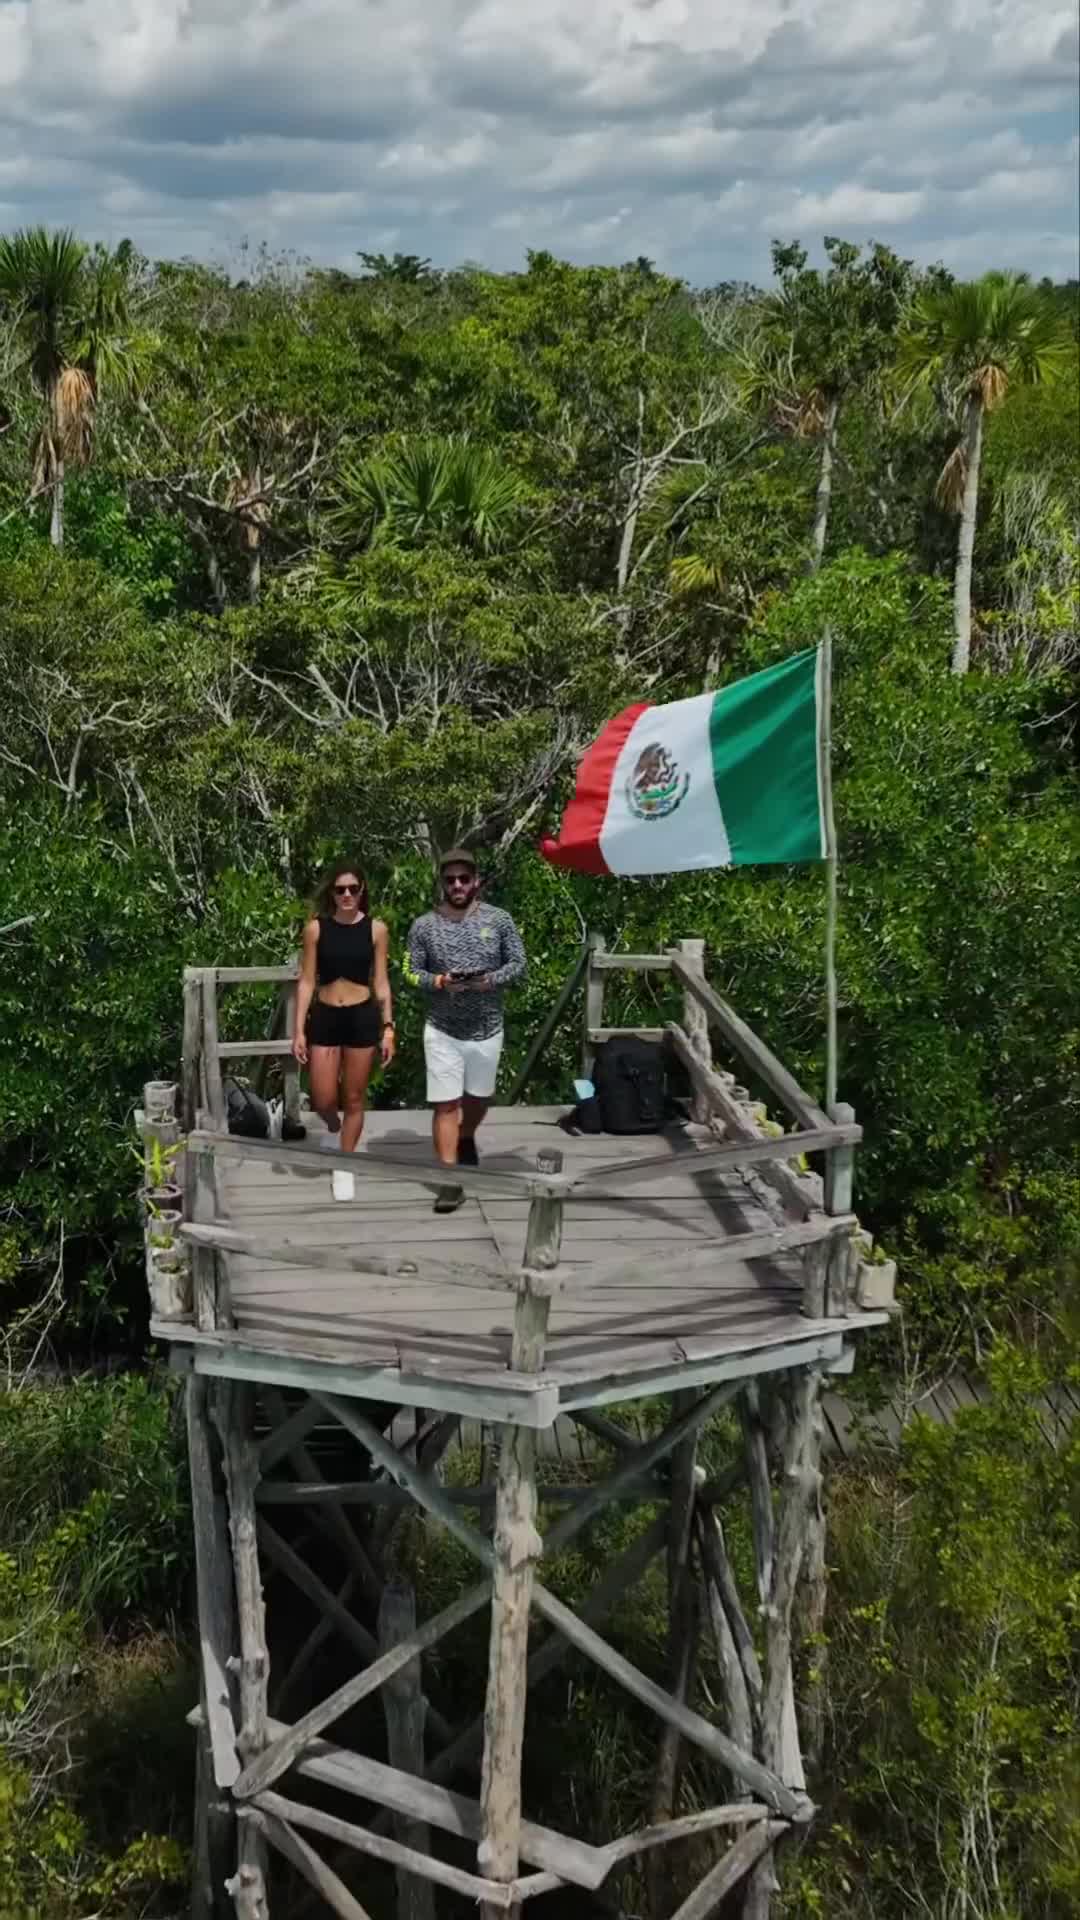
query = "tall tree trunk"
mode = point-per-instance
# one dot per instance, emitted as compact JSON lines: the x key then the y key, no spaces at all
{"x":965,"y":545}
{"x":56,"y":524}
{"x":823,"y":498}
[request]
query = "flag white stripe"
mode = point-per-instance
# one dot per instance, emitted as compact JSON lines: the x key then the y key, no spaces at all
{"x":690,"y":835}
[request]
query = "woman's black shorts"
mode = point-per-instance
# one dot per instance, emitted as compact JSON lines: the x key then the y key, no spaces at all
{"x":359,"y":1026}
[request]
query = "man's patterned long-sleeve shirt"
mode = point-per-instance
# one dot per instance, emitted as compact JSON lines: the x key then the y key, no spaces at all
{"x":484,"y":941}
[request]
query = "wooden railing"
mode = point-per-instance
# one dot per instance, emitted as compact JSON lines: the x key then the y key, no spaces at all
{"x":813,"y":1217}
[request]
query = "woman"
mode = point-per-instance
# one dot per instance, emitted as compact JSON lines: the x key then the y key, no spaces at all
{"x":343,"y":1006}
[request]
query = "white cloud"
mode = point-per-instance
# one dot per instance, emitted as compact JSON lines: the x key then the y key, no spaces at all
{"x":682,"y":129}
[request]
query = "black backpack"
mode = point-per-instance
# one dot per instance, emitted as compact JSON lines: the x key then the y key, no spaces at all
{"x":629,"y":1078}
{"x":248,"y":1116}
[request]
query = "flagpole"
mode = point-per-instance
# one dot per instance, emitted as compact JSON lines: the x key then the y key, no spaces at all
{"x":830,"y":871}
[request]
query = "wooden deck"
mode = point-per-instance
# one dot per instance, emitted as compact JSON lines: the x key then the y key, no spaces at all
{"x":445,"y":1346}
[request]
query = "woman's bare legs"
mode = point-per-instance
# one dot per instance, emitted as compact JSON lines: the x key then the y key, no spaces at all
{"x":357,"y":1063}
{"x":324,"y":1073}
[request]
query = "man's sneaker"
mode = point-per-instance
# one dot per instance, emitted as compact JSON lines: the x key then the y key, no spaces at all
{"x":448,"y":1199}
{"x":466,"y":1154}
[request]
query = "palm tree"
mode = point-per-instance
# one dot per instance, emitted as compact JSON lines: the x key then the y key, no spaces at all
{"x":968,"y":344}
{"x":70,"y":307}
{"x":821,"y":339}
{"x":429,"y":487}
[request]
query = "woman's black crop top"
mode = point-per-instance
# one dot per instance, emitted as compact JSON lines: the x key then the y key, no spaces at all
{"x":344,"y":952}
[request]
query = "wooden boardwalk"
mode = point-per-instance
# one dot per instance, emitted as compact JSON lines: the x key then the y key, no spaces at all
{"x":645,"y":1299}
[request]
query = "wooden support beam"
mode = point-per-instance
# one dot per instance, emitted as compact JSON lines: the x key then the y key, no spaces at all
{"x":290,"y":1433}
{"x":759,"y":1779}
{"x":623,"y":1574}
{"x":403,"y":1707}
{"x":248,"y":1885}
{"x":571,"y":1859}
{"x":391,"y":1852}
{"x":277,"y":1758}
{"x":254,"y":1049}
{"x":426,"y":1492}
{"x":214,"y":1587}
{"x":683,"y":1624}
{"x":290,"y":1077}
{"x":710,"y":1894}
{"x":687,"y":1827}
{"x":330,"y":1515}
{"x":308,"y":1864}
{"x":233,"y":1416}
{"x":749,"y":1048}
{"x":517,"y":1547}
{"x":282,"y":1692}
{"x":640,"y":1461}
{"x":379,"y":1493}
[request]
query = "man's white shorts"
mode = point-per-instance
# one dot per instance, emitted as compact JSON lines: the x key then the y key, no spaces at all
{"x":457,"y":1066}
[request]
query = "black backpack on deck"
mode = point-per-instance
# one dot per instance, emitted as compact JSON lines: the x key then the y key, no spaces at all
{"x":248,"y":1116}
{"x":629,"y":1078}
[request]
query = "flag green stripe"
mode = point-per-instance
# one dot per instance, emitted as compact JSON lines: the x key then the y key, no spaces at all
{"x":764,"y":740}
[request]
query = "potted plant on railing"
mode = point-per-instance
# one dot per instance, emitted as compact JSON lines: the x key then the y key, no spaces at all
{"x":161,"y":1192}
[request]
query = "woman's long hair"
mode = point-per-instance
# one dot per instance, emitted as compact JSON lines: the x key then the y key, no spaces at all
{"x":325,"y":900}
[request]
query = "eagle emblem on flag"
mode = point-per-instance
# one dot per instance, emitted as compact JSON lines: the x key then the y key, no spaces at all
{"x":656,"y":787}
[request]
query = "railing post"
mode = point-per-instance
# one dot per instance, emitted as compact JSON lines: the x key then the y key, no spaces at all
{"x":695,"y":1022}
{"x":839,"y":1187}
{"x":192,"y":1047}
{"x":215,"y":1092}
{"x":200,"y":1207}
{"x":517,"y":1547}
{"x":595,"y":982}
{"x":291,"y":1069}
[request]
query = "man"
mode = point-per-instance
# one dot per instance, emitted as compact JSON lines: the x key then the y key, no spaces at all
{"x":463,"y":955}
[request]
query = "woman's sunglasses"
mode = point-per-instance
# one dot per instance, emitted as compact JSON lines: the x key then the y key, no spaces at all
{"x":347,"y":888}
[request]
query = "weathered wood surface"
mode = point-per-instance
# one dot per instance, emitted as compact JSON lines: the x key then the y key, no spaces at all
{"x":392,"y":1852}
{"x":308,"y":1864}
{"x":404,"y":1711}
{"x":213,"y":1575}
{"x":646,"y":1280}
{"x":354,"y":1773}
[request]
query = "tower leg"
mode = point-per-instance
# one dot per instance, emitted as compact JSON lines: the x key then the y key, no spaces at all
{"x":517,"y":1545}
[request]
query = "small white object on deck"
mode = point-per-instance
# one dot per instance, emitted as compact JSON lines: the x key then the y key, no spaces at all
{"x":343,"y":1184}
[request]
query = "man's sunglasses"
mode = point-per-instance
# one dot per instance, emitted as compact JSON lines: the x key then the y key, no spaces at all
{"x":459,"y":879}
{"x":347,"y":888}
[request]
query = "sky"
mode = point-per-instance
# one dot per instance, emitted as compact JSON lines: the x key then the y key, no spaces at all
{"x":690,"y":131}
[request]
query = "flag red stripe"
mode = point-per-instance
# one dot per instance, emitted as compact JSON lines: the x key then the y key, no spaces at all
{"x":578,"y":844}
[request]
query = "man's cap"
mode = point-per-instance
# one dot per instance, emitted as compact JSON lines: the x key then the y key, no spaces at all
{"x":458,"y":857}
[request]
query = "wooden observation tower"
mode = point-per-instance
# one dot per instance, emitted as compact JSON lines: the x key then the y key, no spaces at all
{"x":707,"y":1268}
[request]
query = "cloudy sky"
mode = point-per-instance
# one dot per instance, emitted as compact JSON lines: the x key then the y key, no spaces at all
{"x":689,"y":130}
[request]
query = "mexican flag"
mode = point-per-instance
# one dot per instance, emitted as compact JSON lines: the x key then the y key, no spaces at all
{"x":725,"y":779}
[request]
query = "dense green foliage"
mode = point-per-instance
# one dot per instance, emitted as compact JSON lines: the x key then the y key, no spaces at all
{"x":364,"y":561}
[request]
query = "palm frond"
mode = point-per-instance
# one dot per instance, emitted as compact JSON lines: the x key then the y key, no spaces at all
{"x":74,"y":413}
{"x":951,"y":481}
{"x":693,"y":574}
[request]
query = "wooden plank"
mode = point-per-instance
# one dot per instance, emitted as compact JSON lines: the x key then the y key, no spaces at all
{"x":191,"y":1049}
{"x":696,"y":1026}
{"x":600,"y":1389}
{"x":340,"y":1259}
{"x":758,"y":1245}
{"x":739,"y":1813}
{"x":598,"y":1036}
{"x":607,"y":962}
{"x":200,"y":1205}
{"x":572,"y":1860}
{"x":214,"y":1588}
{"x":254,"y":976}
{"x":391,"y":1852}
{"x":253,"y":1049}
{"x":750,"y":1153}
{"x":839,"y":1187}
{"x":750,"y":1049}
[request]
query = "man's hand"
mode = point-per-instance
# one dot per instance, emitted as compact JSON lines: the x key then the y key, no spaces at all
{"x":300,"y":1049}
